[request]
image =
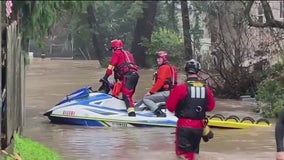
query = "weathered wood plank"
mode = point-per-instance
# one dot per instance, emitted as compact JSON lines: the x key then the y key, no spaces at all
{"x":15,"y":84}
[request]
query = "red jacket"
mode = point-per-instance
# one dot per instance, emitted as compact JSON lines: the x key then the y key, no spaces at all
{"x":118,"y":58}
{"x":164,"y":73}
{"x":179,"y":93}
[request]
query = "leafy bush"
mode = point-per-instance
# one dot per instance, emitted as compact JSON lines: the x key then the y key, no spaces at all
{"x":274,"y":71}
{"x":270,"y":92}
{"x":82,"y":39}
{"x":278,"y":105}
{"x":27,"y":60}
{"x":167,"y":40}
{"x":270,"y":98}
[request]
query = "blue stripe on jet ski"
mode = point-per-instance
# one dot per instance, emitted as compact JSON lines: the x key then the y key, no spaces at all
{"x":107,"y":108}
{"x":80,"y":93}
{"x":116,"y":110}
{"x":87,"y":100}
{"x":100,"y":112}
{"x":82,"y":122}
{"x":123,"y":111}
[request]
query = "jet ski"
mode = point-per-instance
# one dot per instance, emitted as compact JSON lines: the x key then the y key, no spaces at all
{"x":99,"y":108}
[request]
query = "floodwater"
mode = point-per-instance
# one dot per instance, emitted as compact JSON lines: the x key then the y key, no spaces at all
{"x":48,"y":81}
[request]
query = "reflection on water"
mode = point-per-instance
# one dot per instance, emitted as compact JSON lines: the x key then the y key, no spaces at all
{"x":48,"y":81}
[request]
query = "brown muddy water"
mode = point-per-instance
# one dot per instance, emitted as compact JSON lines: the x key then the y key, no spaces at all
{"x":48,"y":81}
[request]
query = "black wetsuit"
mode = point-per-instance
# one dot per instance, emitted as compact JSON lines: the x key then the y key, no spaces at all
{"x":279,"y":131}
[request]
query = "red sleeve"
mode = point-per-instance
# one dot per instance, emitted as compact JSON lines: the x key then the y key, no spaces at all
{"x":112,"y":64}
{"x":211,"y":99}
{"x":177,"y":94}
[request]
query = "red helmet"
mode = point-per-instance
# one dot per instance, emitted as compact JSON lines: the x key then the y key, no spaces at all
{"x":163,"y":55}
{"x":116,"y":44}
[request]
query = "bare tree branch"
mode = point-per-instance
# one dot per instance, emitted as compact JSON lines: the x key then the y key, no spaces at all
{"x":270,"y":21}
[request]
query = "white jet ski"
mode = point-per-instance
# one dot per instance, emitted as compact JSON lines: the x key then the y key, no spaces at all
{"x":98,"y":108}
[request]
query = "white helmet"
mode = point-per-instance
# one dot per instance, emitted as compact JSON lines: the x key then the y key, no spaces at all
{"x":192,"y":66}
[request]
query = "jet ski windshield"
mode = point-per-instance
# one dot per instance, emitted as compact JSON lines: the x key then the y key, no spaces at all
{"x":80,"y":93}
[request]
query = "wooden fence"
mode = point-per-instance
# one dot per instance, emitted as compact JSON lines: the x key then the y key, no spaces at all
{"x":13,"y":85}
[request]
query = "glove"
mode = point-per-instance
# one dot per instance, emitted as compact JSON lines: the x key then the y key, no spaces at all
{"x":207,"y":134}
{"x":104,"y":79}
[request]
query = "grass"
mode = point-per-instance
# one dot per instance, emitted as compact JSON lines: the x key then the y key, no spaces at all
{"x":31,"y":150}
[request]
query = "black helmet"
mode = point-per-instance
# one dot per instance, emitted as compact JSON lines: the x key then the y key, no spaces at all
{"x":192,"y":66}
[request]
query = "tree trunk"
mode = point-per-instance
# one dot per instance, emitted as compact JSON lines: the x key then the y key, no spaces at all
{"x":143,"y":31}
{"x":98,"y":46}
{"x":172,"y":16}
{"x":186,"y":28}
{"x":213,"y":29}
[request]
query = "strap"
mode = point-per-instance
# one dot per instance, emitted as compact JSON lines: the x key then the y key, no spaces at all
{"x":126,"y":56}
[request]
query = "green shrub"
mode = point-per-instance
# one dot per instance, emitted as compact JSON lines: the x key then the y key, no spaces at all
{"x":270,"y":92}
{"x":270,"y":98}
{"x":26,"y":59}
{"x":277,"y":107}
{"x":167,"y":40}
{"x":274,"y":71}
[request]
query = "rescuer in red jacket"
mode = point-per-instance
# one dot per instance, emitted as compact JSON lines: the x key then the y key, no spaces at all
{"x":279,"y":134}
{"x":125,"y":70}
{"x":164,"y":80}
{"x":190,"y":101}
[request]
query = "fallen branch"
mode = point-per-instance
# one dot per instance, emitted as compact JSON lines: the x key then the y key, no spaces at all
{"x":15,"y":157}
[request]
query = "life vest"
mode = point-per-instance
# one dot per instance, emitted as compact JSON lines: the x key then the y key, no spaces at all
{"x":170,"y":81}
{"x":128,"y":66}
{"x":195,"y":103}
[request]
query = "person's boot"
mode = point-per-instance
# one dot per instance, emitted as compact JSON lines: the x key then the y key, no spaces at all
{"x":207,"y":134}
{"x":159,"y":113}
{"x":131,"y":112}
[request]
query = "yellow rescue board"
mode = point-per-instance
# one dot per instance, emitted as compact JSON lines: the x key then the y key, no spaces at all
{"x":233,"y":124}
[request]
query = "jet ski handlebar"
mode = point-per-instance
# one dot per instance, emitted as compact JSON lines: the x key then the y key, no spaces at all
{"x":105,"y":87}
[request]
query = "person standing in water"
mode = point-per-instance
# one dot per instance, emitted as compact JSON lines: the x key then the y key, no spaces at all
{"x":190,"y":101}
{"x":126,"y":71}
{"x":279,"y":135}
